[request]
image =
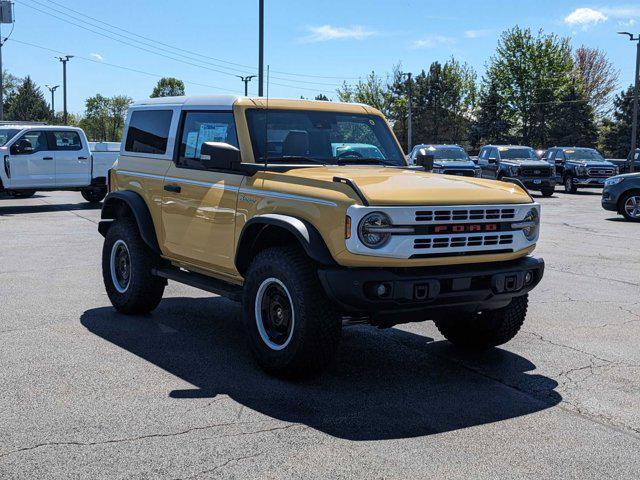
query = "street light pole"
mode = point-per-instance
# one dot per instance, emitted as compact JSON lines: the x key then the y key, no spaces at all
{"x":261,"y":49}
{"x":634,"y":127}
{"x":246,"y":81}
{"x":409,"y":113}
{"x":52,"y":89}
{"x":64,"y":61}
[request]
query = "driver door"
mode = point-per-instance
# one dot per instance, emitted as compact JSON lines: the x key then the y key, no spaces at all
{"x":32,"y":161}
{"x":199,"y":205}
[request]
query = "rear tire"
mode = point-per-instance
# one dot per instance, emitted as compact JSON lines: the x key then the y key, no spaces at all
{"x":547,"y":192}
{"x":630,"y":206}
{"x":21,"y":193}
{"x":126,"y":269}
{"x":486,"y":329}
{"x":569,"y":187}
{"x":293,"y":330}
{"x":94,"y":195}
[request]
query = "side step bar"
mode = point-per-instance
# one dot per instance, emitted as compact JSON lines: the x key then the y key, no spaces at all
{"x":203,"y":282}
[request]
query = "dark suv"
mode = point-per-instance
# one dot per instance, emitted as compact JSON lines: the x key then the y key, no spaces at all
{"x":447,"y":159}
{"x":519,"y":162}
{"x":580,"y":167}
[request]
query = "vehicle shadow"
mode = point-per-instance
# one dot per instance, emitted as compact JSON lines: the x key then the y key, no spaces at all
{"x":47,"y":207}
{"x":383,"y":385}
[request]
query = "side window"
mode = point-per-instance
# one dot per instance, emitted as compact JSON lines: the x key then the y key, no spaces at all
{"x":560,"y":156}
{"x":201,"y":127}
{"x":549,"y":156}
{"x":483,"y":153}
{"x":30,"y":143}
{"x":148,"y":131}
{"x":494,"y":153}
{"x":66,"y":140}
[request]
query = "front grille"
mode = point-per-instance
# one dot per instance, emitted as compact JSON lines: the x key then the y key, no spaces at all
{"x":535,"y":171}
{"x":446,"y":215}
{"x":462,"y":241}
{"x":464,"y":173}
{"x":600,"y":172}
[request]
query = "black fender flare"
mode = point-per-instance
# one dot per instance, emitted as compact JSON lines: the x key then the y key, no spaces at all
{"x":138,"y":207}
{"x":306,"y":234}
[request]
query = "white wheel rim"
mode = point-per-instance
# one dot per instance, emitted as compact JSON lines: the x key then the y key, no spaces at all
{"x":117,"y":249}
{"x":632,"y":206}
{"x":260,"y":320}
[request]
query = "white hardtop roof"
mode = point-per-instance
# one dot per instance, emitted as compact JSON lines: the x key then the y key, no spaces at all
{"x":222,"y":100}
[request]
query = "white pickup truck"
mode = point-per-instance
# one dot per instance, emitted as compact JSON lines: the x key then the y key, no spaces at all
{"x":42,"y":157}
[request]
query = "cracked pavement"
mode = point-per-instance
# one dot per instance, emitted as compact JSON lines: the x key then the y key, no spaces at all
{"x":85,"y":392}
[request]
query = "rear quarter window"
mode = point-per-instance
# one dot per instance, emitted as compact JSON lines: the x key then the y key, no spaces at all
{"x":149,"y":131}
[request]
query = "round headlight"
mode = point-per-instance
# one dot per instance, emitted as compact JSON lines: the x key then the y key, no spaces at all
{"x":371,"y":229}
{"x":531,"y":232}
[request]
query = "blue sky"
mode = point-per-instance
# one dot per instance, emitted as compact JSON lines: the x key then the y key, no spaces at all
{"x":210,"y":41}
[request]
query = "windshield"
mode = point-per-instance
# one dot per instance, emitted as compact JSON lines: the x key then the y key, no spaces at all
{"x":518,"y":154}
{"x":7,"y":134}
{"x":448,"y":153}
{"x":297,"y":136}
{"x":583,"y":154}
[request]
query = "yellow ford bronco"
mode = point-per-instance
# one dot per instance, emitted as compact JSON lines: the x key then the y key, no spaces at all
{"x":308,"y":213}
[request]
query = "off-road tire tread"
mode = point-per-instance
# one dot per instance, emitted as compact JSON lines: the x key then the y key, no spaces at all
{"x":466,"y":332}
{"x":145,"y":289}
{"x":321,"y":326}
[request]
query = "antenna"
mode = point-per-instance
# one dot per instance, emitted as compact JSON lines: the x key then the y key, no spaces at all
{"x":266,"y":126}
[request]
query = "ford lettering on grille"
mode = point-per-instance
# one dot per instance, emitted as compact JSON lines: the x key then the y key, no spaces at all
{"x":467,"y":227}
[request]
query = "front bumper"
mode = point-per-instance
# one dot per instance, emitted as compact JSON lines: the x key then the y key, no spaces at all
{"x":589,"y":182}
{"x":610,"y":197}
{"x":427,"y":293}
{"x":538,"y":183}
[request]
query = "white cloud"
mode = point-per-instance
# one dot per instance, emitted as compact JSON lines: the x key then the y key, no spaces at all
{"x":433,"y":41}
{"x":585,"y":17}
{"x":324,"y":33}
{"x":627,"y":23}
{"x":97,"y":56}
{"x":483,"y":32}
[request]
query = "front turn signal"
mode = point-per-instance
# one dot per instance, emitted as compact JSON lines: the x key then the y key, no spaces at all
{"x":347,"y":227}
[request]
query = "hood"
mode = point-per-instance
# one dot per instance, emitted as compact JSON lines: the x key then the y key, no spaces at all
{"x":526,"y":163}
{"x":397,"y":186}
{"x":454,"y":164}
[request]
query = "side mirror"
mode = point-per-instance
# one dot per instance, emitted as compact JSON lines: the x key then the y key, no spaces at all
{"x":492,"y":160}
{"x":425,"y":160}
{"x":219,"y":156}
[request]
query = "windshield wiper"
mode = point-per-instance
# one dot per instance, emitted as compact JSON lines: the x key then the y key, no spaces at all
{"x":360,"y":161}
{"x":291,"y":158}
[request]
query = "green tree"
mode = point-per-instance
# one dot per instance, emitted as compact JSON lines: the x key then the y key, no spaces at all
{"x":104,"y":117}
{"x":574,"y":120}
{"x":322,"y":97}
{"x":616,"y":132}
{"x":531,"y":73}
{"x":598,"y":76}
{"x":10,"y":83}
{"x":443,"y":100}
{"x":27,"y":103}
{"x":373,"y":91}
{"x":168,"y":87}
{"x":491,"y":124}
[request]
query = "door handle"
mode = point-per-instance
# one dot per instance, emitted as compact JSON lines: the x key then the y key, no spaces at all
{"x":47,"y":158}
{"x":172,"y":188}
{"x":82,"y":158}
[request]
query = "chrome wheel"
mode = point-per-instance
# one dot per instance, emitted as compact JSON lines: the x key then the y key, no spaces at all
{"x":120,"y":266}
{"x":632,"y":206}
{"x":275,"y":316}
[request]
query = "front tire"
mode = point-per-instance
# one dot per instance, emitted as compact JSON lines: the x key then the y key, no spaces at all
{"x":485,"y":329}
{"x":94,"y":195}
{"x":126,"y":269}
{"x":630,"y":206}
{"x":547,"y":192}
{"x":569,"y":187}
{"x":293,"y":331}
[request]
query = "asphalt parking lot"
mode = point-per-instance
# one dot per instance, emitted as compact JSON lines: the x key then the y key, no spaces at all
{"x":88,"y":393}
